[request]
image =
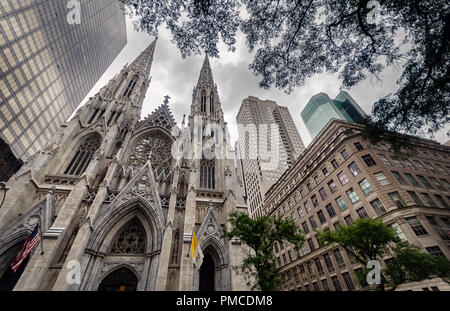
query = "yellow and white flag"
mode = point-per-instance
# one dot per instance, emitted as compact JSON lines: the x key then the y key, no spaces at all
{"x":196,"y":252}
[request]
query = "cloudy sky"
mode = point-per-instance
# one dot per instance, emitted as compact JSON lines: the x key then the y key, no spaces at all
{"x":174,"y":76}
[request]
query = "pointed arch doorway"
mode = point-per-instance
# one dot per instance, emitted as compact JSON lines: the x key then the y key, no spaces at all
{"x":9,"y":278}
{"x":207,"y":274}
{"x":120,"y":280}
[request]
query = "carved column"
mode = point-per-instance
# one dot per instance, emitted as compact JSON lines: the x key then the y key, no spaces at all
{"x":167,"y":240}
{"x":186,"y":265}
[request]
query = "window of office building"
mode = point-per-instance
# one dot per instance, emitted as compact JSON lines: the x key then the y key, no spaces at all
{"x":348,"y":281}
{"x":424,"y":181}
{"x":330,"y":210}
{"x":354,"y":169}
{"x":314,"y":200}
{"x":305,"y":227}
{"x":411,"y":179}
{"x":348,"y":219}
{"x":344,"y":154}
{"x":365,"y":186}
{"x":362,"y":213}
{"x":441,"y":200}
{"x":328,"y":262}
{"x":358,"y":146}
{"x":415,"y":197}
{"x":384,"y":160}
{"x":334,"y":163}
{"x":419,"y":165}
{"x":352,"y":195}
{"x":341,"y":204}
{"x":399,"y":177}
{"x":307,"y":206}
{"x":343,"y":178}
{"x":382,"y":179}
{"x":369,"y":160}
{"x":336,"y":284}
{"x":397,"y":162}
{"x":332,"y":186}
{"x":378,"y":207}
{"x":312,"y":221}
{"x":395,"y":197}
{"x":435,"y":250}
{"x":398,"y":231}
{"x":416,"y":226}
{"x":323,"y":194}
{"x":321,"y":217}
{"x":439,"y":230}
{"x":428,"y":200}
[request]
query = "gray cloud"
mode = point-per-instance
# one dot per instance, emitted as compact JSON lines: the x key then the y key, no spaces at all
{"x":172,"y":75}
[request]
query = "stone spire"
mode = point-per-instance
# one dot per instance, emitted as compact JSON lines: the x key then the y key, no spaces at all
{"x":206,"y":77}
{"x":143,"y":62}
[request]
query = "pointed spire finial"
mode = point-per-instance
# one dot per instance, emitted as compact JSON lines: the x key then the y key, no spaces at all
{"x":166,"y":100}
{"x":206,"y":72}
{"x":145,"y":59}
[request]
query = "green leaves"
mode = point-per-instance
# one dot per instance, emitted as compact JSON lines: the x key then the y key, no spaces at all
{"x":260,"y":235}
{"x":371,"y":239}
{"x":295,"y":40}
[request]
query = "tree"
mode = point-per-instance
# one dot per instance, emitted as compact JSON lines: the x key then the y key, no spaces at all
{"x":260,"y":235}
{"x":293,"y":40}
{"x":371,"y":239}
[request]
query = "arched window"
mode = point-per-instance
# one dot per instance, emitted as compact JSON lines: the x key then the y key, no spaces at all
{"x":93,"y":115}
{"x":207,"y":174}
{"x":211,"y":103}
{"x":131,"y":240}
{"x":130,"y":87}
{"x":203,"y":101}
{"x":83,"y":156}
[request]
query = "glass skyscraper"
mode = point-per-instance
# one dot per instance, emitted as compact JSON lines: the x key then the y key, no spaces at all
{"x":321,"y":109}
{"x":48,"y":65}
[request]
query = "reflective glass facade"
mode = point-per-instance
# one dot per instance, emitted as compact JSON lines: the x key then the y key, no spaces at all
{"x":47,"y":66}
{"x":321,"y":109}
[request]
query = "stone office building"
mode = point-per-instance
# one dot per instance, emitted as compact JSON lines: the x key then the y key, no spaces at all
{"x":111,"y":197}
{"x":340,"y":178}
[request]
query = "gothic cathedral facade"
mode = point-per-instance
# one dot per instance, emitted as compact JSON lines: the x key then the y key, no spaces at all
{"x":115,"y":206}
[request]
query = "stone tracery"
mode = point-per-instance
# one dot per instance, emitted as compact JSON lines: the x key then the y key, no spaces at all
{"x":155,"y":147}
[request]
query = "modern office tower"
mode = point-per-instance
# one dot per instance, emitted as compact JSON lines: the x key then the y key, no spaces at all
{"x":262,"y":165}
{"x":47,"y":66}
{"x":112,"y":196}
{"x":340,"y":178}
{"x":321,"y":109}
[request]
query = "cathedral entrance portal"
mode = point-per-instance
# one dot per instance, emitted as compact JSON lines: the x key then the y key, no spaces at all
{"x":121,"y":280}
{"x":207,"y":274}
{"x":9,"y":278}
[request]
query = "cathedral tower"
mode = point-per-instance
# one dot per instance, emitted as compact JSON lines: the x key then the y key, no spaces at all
{"x":116,"y":209}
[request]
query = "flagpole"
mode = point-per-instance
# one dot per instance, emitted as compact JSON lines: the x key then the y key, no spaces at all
{"x":40,"y":232}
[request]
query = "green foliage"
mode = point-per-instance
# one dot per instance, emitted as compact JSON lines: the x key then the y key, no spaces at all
{"x":409,"y":264}
{"x":366,"y":239}
{"x":371,"y":239}
{"x":295,"y":40}
{"x":260,"y":235}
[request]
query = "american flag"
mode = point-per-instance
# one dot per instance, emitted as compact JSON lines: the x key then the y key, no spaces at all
{"x":33,"y":239}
